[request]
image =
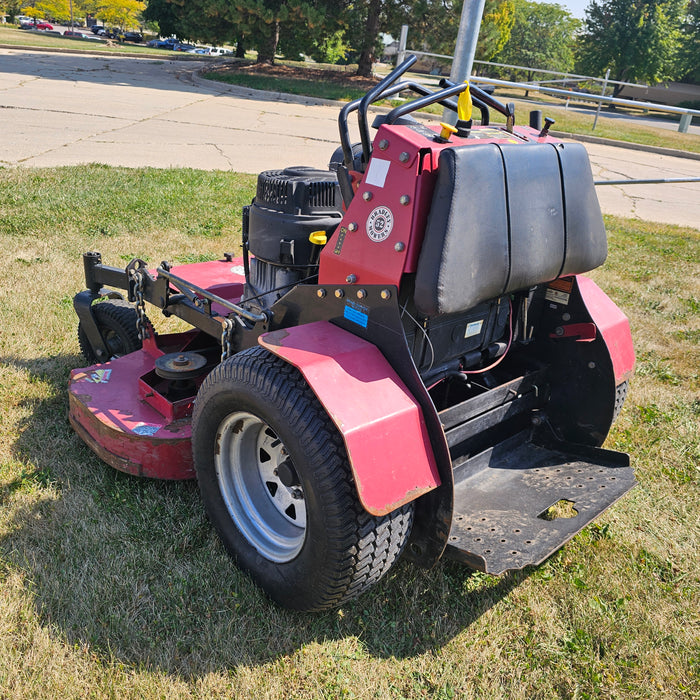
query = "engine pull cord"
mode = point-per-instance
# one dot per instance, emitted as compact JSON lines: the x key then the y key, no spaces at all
{"x":500,"y":359}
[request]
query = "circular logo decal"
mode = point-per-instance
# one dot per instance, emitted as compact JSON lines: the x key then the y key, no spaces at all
{"x":379,"y":224}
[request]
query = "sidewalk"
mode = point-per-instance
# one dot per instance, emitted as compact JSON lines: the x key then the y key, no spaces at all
{"x":65,"y":109}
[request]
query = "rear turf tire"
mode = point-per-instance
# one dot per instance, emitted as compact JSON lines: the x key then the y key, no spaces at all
{"x":277,"y":486}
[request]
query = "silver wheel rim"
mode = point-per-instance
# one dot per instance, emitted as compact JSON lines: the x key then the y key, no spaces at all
{"x":248,"y":461}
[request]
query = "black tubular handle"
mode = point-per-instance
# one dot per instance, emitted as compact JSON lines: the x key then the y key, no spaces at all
{"x":372,"y":96}
{"x":426,"y":100}
{"x":482,"y":97}
{"x":351,"y":107}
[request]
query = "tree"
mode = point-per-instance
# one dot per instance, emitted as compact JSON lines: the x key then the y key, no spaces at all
{"x":542,"y":37}
{"x":637,"y":39}
{"x":57,"y":10}
{"x":258,"y":23}
{"x":120,"y":13}
{"x":688,"y":68}
{"x":434,"y":25}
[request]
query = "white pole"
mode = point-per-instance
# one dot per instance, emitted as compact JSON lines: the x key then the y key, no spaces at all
{"x":465,"y":48}
{"x":401,"y":55}
{"x":600,"y":102}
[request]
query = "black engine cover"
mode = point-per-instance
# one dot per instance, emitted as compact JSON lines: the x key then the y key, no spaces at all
{"x":289,"y":205}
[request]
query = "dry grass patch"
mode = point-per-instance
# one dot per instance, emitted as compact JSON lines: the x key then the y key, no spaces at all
{"x":112,"y":586}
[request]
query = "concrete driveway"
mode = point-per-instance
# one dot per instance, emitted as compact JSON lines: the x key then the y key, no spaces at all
{"x":65,"y":109}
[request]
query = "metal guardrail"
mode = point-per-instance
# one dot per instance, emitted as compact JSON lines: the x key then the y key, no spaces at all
{"x":686,"y":114}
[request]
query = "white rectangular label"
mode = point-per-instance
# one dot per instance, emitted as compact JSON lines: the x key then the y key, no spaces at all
{"x":377,"y":172}
{"x":473,"y":328}
{"x":557,"y":297}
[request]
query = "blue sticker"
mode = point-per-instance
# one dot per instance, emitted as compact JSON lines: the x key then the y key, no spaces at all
{"x":356,"y":316}
{"x":146,"y":429}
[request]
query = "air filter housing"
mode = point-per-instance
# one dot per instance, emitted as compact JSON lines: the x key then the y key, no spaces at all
{"x":289,"y":205}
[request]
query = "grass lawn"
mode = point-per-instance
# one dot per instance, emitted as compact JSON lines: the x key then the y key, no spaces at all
{"x":13,"y":36}
{"x":111,"y":586}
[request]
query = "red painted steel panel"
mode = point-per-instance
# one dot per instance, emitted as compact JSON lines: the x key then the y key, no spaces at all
{"x":121,"y":428}
{"x":612,"y":325}
{"x":212,"y":274}
{"x":381,"y":423}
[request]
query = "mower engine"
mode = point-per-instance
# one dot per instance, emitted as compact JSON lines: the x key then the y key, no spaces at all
{"x":289,"y":206}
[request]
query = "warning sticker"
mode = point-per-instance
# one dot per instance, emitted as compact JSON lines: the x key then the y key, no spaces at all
{"x":356,"y":313}
{"x":564,"y":284}
{"x":559,"y":290}
{"x":380,"y":224}
{"x":473,"y":328}
{"x":556,"y":296}
{"x":99,"y":376}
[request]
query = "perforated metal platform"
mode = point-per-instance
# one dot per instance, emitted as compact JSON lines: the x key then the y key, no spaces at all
{"x":503,"y":496}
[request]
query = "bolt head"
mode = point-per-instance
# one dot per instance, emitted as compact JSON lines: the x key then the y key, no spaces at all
{"x":404,"y":157}
{"x":351,"y":279}
{"x":352,"y":227}
{"x":400,"y":247}
{"x":339,"y":293}
{"x":383,"y":145}
{"x":320,"y":293}
{"x":367,"y":196}
{"x":404,"y":199}
{"x":385,"y":294}
{"x":361,"y":293}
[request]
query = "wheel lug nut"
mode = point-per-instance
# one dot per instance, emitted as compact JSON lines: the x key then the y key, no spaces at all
{"x":297,"y":494}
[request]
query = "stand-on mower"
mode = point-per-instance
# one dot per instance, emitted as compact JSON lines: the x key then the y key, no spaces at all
{"x":406,"y":357}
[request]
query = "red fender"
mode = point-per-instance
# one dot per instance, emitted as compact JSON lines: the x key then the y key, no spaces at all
{"x":380,"y":421}
{"x":613,"y":326}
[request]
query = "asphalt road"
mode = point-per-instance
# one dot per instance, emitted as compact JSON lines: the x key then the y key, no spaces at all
{"x":64,"y":109}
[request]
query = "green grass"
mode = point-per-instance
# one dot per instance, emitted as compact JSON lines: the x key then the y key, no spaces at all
{"x":115,"y":587}
{"x":292,"y":86}
{"x":13,"y":36}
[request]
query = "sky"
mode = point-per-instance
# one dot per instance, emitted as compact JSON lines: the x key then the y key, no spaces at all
{"x":576,"y":7}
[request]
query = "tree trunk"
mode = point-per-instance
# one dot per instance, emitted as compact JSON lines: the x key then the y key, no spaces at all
{"x":268,"y":46}
{"x":240,"y":47}
{"x":364,"y":64}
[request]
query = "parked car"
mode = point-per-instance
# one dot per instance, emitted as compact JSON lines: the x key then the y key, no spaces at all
{"x":73,"y":33}
{"x":136,"y":37}
{"x":183,"y":47}
{"x":97,"y":28}
{"x":168,"y":43}
{"x":218,"y":51}
{"x":44,"y":26}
